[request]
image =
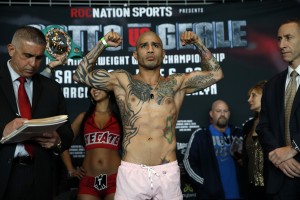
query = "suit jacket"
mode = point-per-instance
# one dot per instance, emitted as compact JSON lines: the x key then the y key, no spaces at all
{"x":47,"y":101}
{"x":271,"y":127}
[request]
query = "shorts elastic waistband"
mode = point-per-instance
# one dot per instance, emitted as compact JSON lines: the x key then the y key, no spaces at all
{"x":163,"y":166}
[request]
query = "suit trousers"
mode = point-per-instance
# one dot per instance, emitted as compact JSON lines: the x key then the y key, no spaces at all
{"x":290,"y":190}
{"x":20,"y":185}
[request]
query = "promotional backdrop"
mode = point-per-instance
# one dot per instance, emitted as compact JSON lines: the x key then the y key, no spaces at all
{"x":242,"y":37}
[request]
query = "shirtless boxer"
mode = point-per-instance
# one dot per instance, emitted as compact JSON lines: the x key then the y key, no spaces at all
{"x":149,"y":104}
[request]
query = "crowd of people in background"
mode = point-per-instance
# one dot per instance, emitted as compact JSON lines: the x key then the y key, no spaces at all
{"x":128,"y":132}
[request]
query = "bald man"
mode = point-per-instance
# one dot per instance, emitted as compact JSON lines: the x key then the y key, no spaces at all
{"x":208,"y":160}
{"x":149,"y":105}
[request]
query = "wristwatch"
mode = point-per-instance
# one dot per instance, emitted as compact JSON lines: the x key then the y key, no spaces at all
{"x":295,"y":146}
{"x":57,"y":149}
{"x":58,"y":146}
{"x":51,"y":68}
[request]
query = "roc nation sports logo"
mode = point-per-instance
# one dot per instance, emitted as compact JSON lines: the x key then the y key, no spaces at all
{"x":101,"y":182}
{"x":124,"y":12}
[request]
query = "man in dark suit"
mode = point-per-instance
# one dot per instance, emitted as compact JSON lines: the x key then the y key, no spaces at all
{"x":280,"y":145}
{"x":25,"y":175}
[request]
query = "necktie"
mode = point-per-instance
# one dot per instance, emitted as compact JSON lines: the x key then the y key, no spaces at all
{"x":290,"y":93}
{"x":25,"y":110}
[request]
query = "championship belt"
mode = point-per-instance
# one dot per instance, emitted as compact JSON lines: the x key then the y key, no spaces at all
{"x":60,"y":43}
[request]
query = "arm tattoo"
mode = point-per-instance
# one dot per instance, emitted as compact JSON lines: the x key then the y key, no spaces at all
{"x":87,"y":65}
{"x":208,"y":62}
{"x":98,"y":79}
{"x":203,"y":81}
{"x":208,"y":66}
